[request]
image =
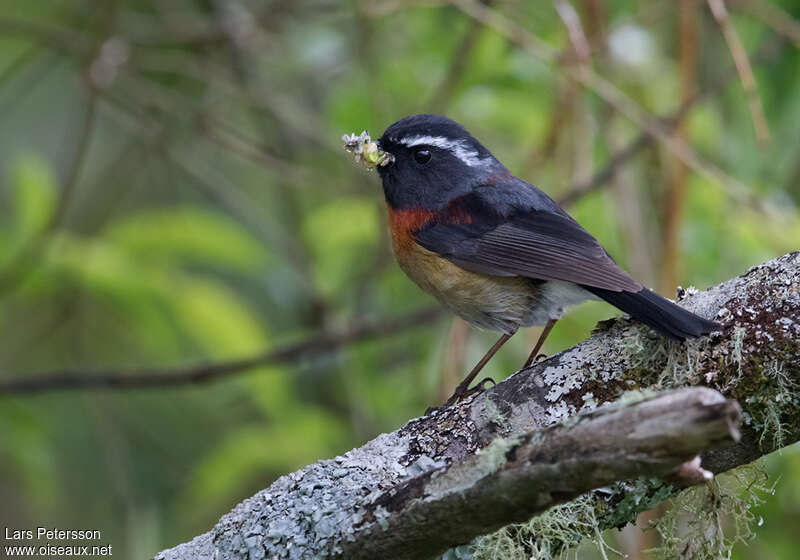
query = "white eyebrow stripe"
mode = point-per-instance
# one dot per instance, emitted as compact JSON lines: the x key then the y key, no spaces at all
{"x":458,"y":148}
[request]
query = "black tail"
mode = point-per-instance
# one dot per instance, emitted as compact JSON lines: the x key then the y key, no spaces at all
{"x":660,"y":313}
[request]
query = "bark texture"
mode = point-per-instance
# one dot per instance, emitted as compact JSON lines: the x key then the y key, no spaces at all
{"x":536,"y":439}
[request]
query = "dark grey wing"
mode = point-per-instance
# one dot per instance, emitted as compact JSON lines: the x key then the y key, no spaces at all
{"x":540,"y":244}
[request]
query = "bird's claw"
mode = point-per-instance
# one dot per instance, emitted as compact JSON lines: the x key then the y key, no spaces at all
{"x":460,"y":394}
{"x":481,"y":386}
{"x":431,"y":409}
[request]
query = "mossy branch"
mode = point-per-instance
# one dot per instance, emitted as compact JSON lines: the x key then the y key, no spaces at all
{"x":513,"y":479}
{"x":528,"y":443}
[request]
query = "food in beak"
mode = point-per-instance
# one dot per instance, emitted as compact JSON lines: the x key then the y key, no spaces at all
{"x":366,"y":151}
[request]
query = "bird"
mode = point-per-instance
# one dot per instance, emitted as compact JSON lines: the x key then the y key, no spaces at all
{"x":494,"y":249}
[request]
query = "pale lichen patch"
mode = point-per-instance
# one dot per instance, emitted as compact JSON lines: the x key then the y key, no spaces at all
{"x":559,"y":412}
{"x":309,"y":510}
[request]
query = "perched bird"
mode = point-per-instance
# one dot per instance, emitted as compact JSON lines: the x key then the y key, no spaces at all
{"x":493,"y":249}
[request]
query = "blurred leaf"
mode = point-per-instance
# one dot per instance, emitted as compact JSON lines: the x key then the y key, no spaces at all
{"x":256,"y":453}
{"x":34,"y":195}
{"x":338,"y":232}
{"x":216,"y":318}
{"x":24,"y":442}
{"x":202,"y":308}
{"x":192,"y":234}
{"x":97,"y":267}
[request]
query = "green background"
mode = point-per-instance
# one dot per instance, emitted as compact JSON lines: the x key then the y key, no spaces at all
{"x":173,"y":191}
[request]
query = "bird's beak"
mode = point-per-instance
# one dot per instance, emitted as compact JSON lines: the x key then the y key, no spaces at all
{"x":378,"y":157}
{"x":366,"y":151}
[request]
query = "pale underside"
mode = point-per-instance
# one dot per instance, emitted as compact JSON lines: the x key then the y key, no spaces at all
{"x":498,"y":303}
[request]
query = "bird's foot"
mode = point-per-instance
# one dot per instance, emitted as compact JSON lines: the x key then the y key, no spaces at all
{"x":460,"y":394}
{"x":433,"y":409}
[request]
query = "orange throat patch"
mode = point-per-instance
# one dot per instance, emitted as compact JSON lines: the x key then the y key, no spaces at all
{"x":405,"y":223}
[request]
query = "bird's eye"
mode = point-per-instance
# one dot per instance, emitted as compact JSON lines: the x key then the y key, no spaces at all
{"x":422,"y":155}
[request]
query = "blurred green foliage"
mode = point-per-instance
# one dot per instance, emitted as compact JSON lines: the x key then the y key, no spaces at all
{"x":211,"y":214}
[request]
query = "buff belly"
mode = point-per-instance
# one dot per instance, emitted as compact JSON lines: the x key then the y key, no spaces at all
{"x":498,"y":303}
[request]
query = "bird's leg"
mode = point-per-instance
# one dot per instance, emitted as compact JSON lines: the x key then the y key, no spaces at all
{"x":535,"y":352}
{"x":463,"y":388}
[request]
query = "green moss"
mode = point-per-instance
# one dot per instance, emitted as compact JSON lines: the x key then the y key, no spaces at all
{"x":737,"y":345}
{"x":693,"y":525}
{"x":691,"y":528}
{"x":645,"y":351}
{"x":768,"y":407}
{"x":494,"y":416}
{"x":549,"y":535}
{"x":637,"y":496}
{"x":561,"y":528}
{"x":683,"y":361}
{"x":632,"y":397}
{"x":769,"y":396}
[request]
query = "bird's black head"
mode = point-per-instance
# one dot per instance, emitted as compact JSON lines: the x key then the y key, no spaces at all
{"x":435,"y":161}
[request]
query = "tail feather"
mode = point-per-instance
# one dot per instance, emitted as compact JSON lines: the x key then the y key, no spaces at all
{"x":658,"y":312}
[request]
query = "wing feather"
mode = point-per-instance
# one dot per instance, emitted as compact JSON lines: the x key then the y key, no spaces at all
{"x":540,"y":244}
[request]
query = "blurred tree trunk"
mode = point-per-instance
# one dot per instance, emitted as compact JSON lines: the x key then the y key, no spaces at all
{"x":675,"y":196}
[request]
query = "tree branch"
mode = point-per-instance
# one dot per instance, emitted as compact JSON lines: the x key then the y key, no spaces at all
{"x":539,"y":438}
{"x":739,"y":55}
{"x":204,"y":372}
{"x":513,"y":479}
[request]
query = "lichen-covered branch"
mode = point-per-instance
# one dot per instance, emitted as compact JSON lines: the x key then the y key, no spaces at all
{"x":513,"y":479}
{"x":343,"y":505}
